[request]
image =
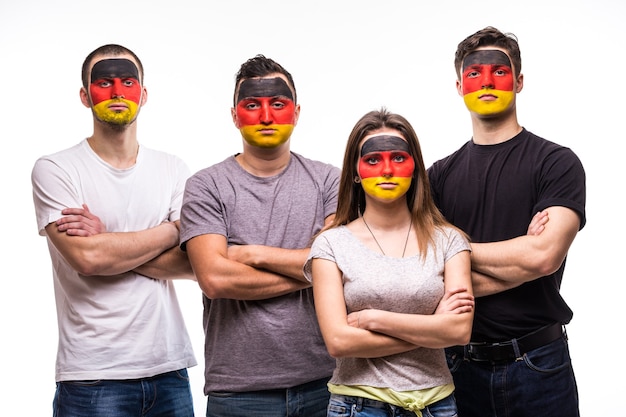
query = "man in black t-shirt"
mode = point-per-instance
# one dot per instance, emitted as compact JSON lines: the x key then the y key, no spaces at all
{"x":521,"y":199}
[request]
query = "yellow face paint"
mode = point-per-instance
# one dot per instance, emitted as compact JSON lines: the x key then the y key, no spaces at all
{"x":120,"y":115}
{"x":479,"y":105}
{"x":374,"y":186}
{"x":269,"y":136}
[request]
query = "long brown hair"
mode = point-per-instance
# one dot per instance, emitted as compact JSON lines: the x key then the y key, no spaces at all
{"x":425,"y":214}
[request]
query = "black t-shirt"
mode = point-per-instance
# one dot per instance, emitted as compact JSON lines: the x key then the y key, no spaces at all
{"x":492,"y":193}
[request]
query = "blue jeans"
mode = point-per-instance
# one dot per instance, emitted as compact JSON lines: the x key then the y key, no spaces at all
{"x":541,"y":383}
{"x":306,"y":400}
{"x":165,"y":395}
{"x":348,"y":406}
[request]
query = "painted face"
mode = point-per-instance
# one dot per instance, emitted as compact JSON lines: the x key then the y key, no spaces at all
{"x":386,"y":167}
{"x":266,"y":113}
{"x":487,"y":82}
{"x":115,"y":91}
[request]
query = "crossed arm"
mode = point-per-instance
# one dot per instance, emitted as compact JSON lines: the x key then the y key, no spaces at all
{"x":375,"y":333}
{"x":82,"y":239}
{"x":499,"y":266}
{"x":246,"y":272}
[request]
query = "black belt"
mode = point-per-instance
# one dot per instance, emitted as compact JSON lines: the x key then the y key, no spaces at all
{"x":505,"y":351}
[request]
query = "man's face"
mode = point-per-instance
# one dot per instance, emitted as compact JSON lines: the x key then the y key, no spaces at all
{"x":487,"y":82}
{"x":115,"y":91}
{"x":265,"y":112}
{"x":386,"y":166}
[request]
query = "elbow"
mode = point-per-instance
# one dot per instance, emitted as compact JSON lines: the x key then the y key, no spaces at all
{"x":462,"y":332}
{"x":336,"y":348}
{"x":548,"y":264}
{"x":209,"y":287}
{"x":87,"y":263}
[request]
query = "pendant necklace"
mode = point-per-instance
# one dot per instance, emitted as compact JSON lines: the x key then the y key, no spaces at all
{"x":376,"y":240}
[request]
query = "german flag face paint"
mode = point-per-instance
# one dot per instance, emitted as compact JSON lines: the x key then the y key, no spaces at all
{"x":266,"y":112}
{"x":115,"y":91}
{"x":487,"y":82}
{"x":386,"y":167}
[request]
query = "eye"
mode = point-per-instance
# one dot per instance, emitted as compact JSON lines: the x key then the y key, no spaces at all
{"x":278,"y":105}
{"x":399,"y":158}
{"x":251,"y":105}
{"x":501,"y":72}
{"x":371,"y":159}
{"x":103,"y":83}
{"x":472,"y":74}
{"x":128,"y":82}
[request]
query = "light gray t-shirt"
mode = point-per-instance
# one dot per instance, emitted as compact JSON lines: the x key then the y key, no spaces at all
{"x":273,"y":343}
{"x":404,"y":285}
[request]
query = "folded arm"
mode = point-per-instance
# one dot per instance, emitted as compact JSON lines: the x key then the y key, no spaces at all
{"x":82,"y":239}
{"x":498,"y":266}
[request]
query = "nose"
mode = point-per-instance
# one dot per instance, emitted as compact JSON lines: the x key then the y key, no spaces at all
{"x":117,"y":90}
{"x":266,"y":114}
{"x":487,"y":80}
{"x":387,"y":171}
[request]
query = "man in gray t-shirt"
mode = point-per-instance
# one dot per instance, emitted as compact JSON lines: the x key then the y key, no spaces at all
{"x":247,"y":224}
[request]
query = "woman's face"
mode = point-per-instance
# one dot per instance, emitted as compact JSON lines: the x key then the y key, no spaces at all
{"x":385,"y":165}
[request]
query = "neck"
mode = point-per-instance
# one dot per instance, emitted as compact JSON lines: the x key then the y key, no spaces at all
{"x":491,"y":131}
{"x":118,"y":148}
{"x":264,"y":162}
{"x":391,"y":216}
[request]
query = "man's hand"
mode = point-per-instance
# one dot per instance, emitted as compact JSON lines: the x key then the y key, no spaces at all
{"x":455,"y":301}
{"x":538,"y":223}
{"x":80,"y":222}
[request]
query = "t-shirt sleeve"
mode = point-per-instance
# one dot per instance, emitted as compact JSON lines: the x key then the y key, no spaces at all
{"x":562,"y":184}
{"x":320,"y":249}
{"x":202,"y":210}
{"x":456,"y":243}
{"x":52,"y":192}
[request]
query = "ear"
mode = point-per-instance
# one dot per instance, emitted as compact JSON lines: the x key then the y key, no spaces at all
{"x":519,"y":83}
{"x":459,"y":88}
{"x":296,"y":115}
{"x":144,"y":96}
{"x":233,"y":115}
{"x":84,"y":97}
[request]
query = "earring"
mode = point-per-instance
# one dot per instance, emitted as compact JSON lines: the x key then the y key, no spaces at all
{"x":357,"y":179}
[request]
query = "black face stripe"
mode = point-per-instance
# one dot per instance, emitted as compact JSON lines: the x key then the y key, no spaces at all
{"x":114,"y":68}
{"x":264,"y":87}
{"x":486,"y":56}
{"x":384,"y":143}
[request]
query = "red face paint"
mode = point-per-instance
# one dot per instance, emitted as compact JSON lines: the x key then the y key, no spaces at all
{"x":115,"y":78}
{"x":265,"y":111}
{"x":487,"y":69}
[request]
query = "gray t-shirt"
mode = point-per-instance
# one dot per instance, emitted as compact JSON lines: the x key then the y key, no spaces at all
{"x":403,"y":285}
{"x":273,"y":343}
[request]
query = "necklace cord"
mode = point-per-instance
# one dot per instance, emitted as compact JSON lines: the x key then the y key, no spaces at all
{"x":408,"y":233}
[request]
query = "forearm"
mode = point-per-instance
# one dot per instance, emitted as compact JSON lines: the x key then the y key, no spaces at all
{"x":287,"y":262}
{"x":114,"y":253}
{"x":485,"y":285}
{"x":221,"y":277}
{"x":351,"y":342}
{"x":429,"y":330}
{"x":516,"y":260}
{"x":171,"y":264}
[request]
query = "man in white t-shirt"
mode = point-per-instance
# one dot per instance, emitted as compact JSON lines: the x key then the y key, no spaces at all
{"x":109,"y":209}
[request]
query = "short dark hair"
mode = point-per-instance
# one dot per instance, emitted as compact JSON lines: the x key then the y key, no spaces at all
{"x":489,"y":36}
{"x":109,"y":49}
{"x":260,"y":66}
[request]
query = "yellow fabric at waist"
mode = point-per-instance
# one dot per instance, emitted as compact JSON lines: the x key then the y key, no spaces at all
{"x":410,"y":400}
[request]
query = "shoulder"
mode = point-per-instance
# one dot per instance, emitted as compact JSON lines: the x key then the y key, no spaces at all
{"x":314,"y":164}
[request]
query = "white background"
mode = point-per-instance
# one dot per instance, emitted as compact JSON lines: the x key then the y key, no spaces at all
{"x":347,"y":58}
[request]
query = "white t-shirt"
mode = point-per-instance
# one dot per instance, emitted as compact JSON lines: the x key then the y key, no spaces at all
{"x":123,"y":326}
